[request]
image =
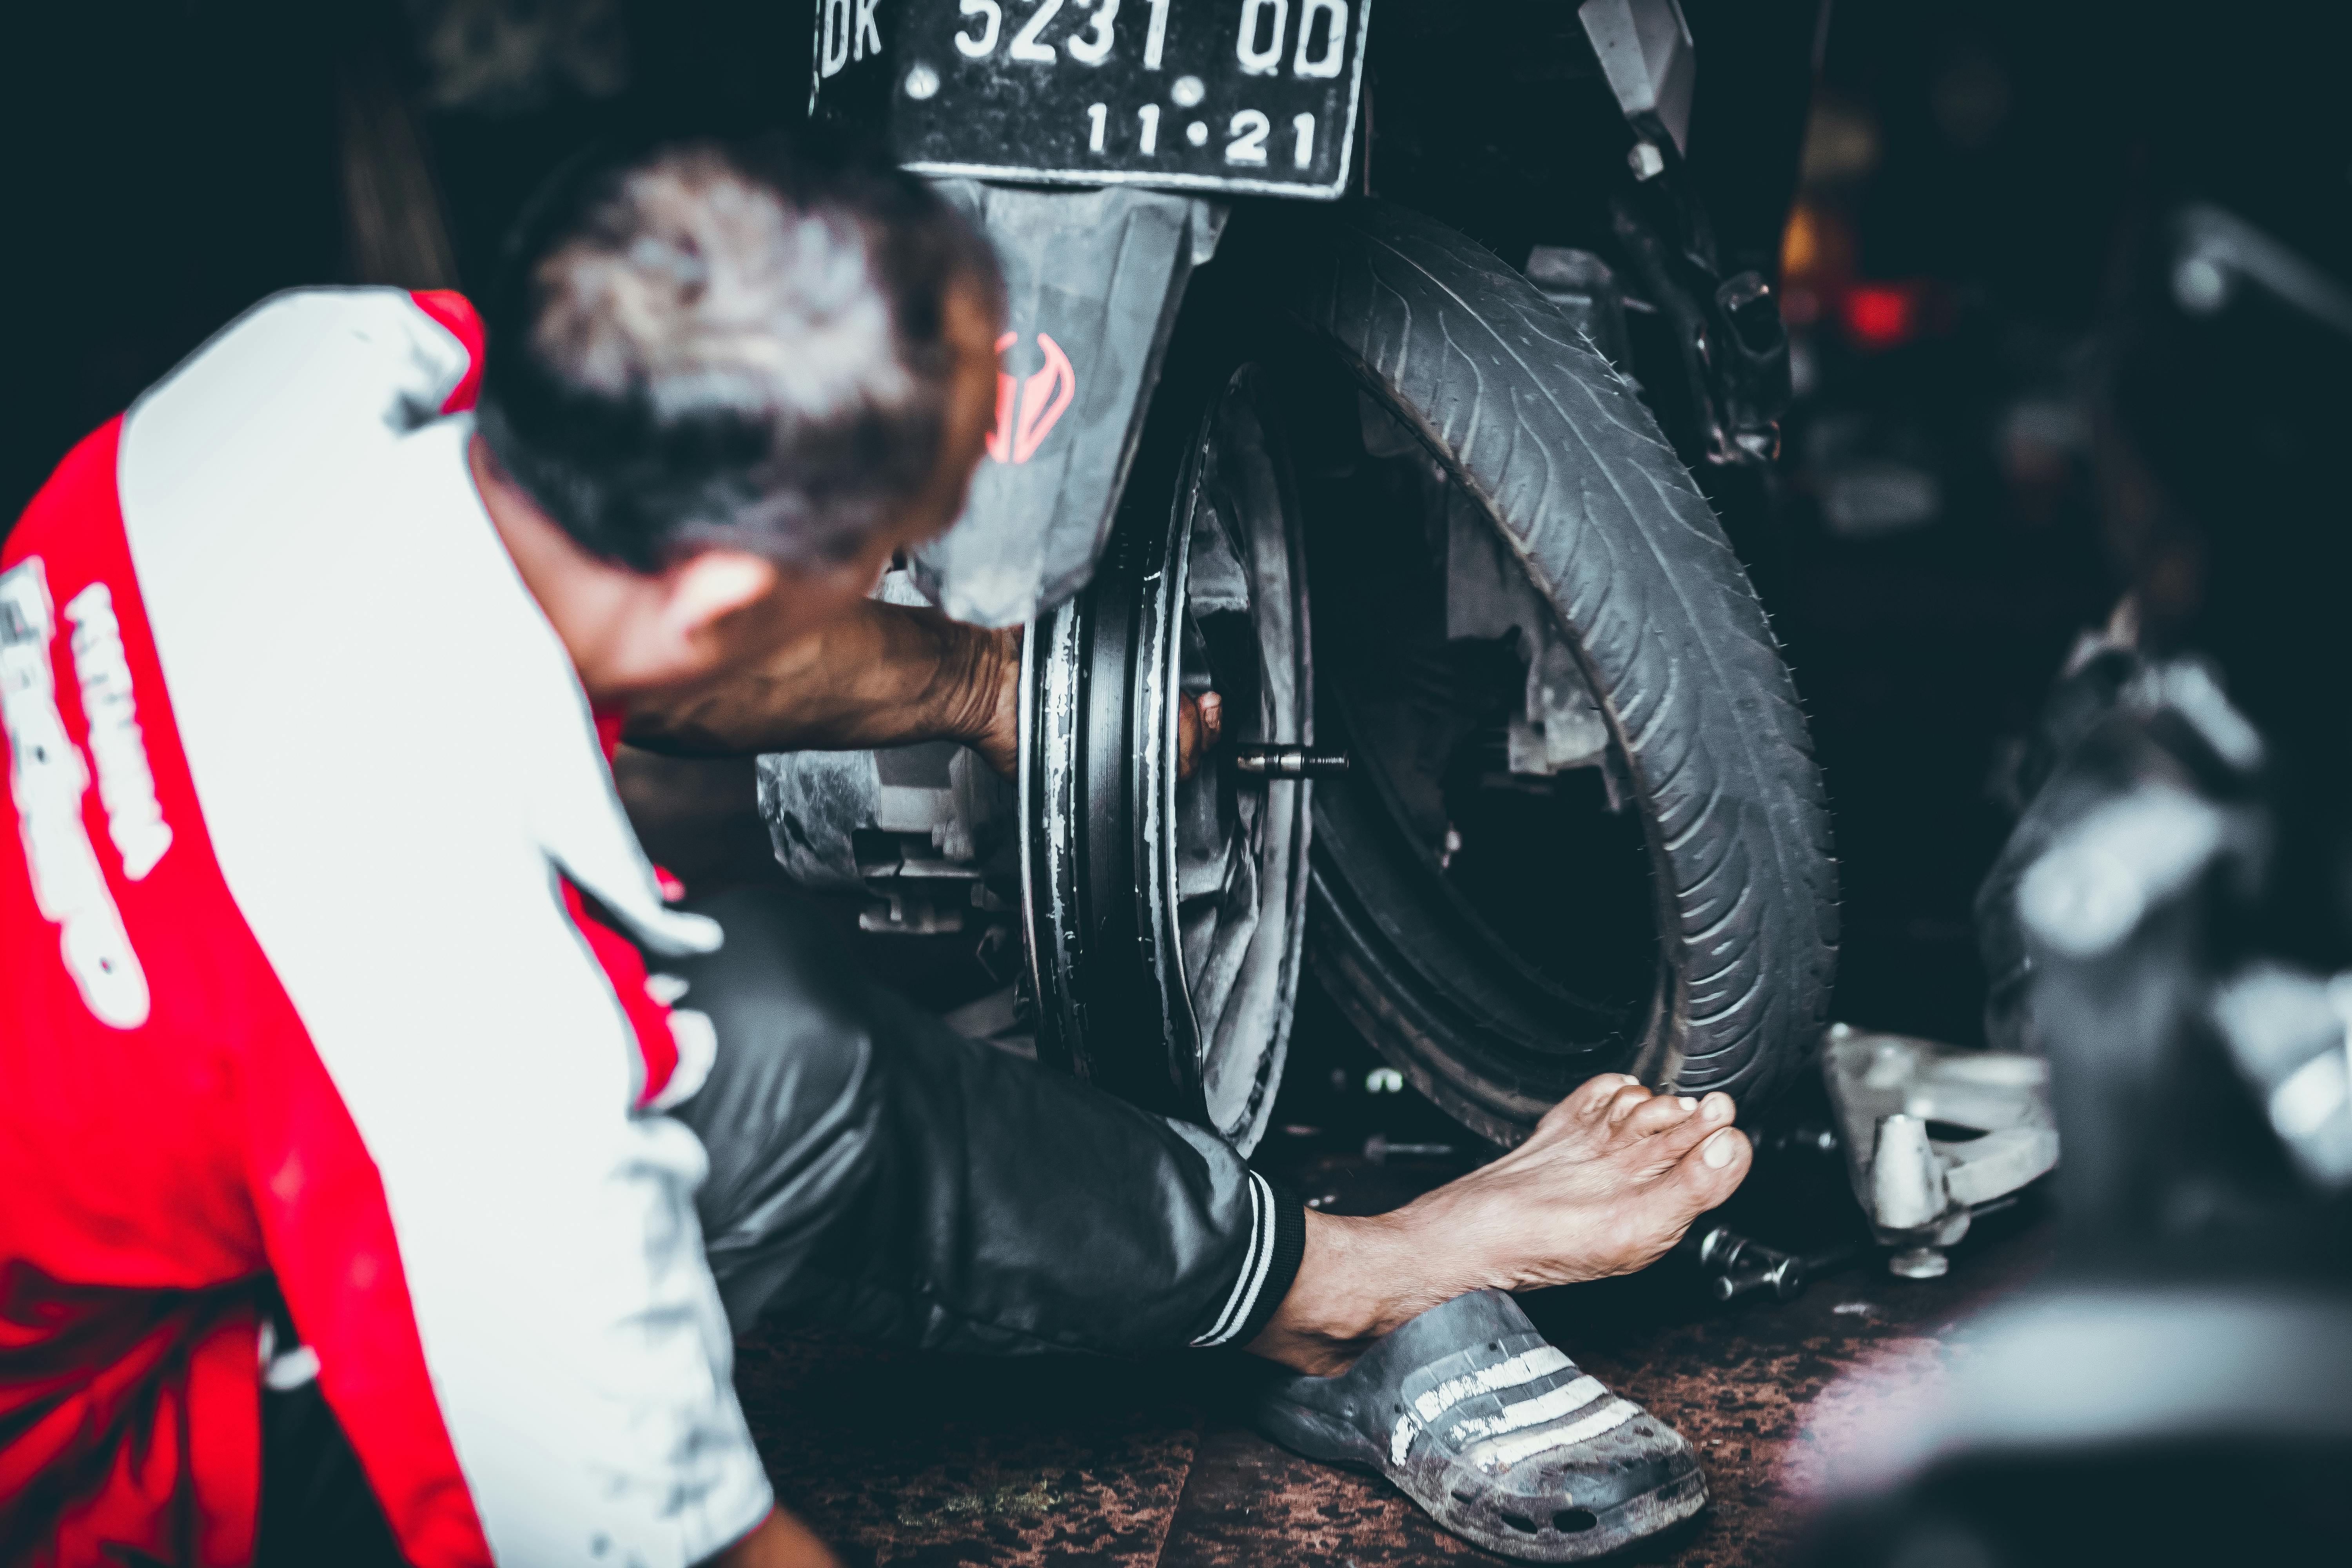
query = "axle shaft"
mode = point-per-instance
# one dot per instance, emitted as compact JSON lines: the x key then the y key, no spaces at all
{"x":1289,"y":762}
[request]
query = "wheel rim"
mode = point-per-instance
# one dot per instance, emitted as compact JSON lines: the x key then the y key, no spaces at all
{"x":1165,"y":914}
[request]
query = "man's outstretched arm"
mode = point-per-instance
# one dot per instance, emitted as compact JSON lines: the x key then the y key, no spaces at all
{"x":880,"y":675}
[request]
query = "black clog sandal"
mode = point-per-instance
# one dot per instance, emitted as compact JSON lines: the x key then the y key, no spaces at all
{"x":1497,"y":1433}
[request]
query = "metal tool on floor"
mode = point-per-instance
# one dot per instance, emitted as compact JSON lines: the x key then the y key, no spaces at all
{"x":1733,"y":1265}
{"x":1380,"y":1150}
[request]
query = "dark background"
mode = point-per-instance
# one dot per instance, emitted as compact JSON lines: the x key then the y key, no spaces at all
{"x":1968,"y":175}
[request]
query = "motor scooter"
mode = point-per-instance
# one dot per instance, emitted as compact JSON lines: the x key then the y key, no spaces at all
{"x":1511,"y":760}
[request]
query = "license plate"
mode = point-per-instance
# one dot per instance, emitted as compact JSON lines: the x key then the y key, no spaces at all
{"x":1256,"y":96}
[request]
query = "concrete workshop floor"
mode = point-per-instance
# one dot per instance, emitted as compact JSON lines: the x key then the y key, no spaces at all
{"x":904,"y":1458}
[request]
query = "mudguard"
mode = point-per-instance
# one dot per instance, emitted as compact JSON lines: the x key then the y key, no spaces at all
{"x":1093,"y":278}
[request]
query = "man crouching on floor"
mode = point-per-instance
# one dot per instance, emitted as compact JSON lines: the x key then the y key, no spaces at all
{"x":388,"y":1167}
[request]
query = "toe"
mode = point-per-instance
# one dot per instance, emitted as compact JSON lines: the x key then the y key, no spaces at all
{"x":1629,"y":1097}
{"x":1659,"y":1114}
{"x":1583,"y":1110}
{"x":1592,"y":1099}
{"x":1713,"y":1112}
{"x":1712,"y":1172}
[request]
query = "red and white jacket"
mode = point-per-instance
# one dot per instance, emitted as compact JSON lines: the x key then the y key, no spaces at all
{"x":297,"y":987}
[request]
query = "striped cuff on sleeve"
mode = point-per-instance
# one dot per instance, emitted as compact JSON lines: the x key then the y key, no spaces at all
{"x":1269,"y":1264}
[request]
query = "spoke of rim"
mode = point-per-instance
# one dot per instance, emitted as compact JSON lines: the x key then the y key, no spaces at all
{"x":1205,"y":840}
{"x":1219,"y":584}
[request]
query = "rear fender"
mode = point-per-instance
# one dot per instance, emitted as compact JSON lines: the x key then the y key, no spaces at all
{"x":1093,"y":278}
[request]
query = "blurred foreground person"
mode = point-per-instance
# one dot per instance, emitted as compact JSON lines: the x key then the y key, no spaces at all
{"x":388,"y":1164}
{"x":2171,"y":919}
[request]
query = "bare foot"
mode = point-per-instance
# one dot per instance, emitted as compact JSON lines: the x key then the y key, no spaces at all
{"x":1610,"y":1180}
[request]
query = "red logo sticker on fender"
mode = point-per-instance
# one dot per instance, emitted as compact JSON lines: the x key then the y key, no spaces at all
{"x":1026,"y":410}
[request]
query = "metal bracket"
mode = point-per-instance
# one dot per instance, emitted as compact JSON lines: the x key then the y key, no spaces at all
{"x":1646,"y":52}
{"x":1935,"y":1134}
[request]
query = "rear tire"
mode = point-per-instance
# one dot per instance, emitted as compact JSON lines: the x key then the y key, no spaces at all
{"x":1710,"y":749}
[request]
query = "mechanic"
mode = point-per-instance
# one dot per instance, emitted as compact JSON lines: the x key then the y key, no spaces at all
{"x":368,"y":1199}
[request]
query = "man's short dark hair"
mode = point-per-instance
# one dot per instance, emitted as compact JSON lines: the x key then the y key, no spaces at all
{"x":728,"y":344}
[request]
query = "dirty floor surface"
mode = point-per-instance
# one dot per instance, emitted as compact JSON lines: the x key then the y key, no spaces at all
{"x":904,"y":1458}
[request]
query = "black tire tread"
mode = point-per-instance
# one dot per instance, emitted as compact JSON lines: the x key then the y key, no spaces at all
{"x":1550,"y":439}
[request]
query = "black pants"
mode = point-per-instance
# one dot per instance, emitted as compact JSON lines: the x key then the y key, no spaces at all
{"x":872,"y":1170}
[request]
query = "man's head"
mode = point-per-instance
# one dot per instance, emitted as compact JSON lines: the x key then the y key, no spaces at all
{"x":734,"y":378}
